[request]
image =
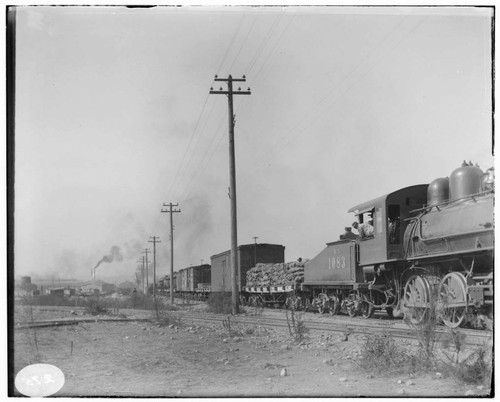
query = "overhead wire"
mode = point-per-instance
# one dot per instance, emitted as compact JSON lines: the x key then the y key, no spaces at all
{"x":192,"y":154}
{"x":231,"y":43}
{"x":174,"y":181}
{"x":211,"y":149}
{"x":243,"y":43}
{"x":204,"y":160}
{"x":263,"y":43}
{"x":208,"y":155}
{"x":308,"y":120}
{"x":274,"y":48}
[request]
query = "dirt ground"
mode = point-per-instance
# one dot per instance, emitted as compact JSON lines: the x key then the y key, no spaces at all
{"x":129,"y":359}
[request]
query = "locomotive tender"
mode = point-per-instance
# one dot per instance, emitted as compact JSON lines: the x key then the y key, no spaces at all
{"x":431,"y":251}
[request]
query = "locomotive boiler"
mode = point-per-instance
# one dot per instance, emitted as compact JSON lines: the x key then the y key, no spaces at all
{"x":449,"y":247}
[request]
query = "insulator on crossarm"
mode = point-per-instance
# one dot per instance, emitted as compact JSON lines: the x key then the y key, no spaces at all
{"x":239,"y":88}
{"x":220,"y":89}
{"x":211,"y":88}
{"x":244,"y":76}
{"x":215,"y":75}
{"x":248,"y":89}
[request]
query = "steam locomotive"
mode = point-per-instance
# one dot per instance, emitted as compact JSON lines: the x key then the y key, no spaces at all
{"x":430,"y":251}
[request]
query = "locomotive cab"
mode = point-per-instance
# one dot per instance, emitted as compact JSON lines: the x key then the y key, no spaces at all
{"x":388,"y":215}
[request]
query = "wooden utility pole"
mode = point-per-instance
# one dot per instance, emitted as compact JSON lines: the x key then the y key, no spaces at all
{"x":142,"y":272}
{"x":171,"y":211}
{"x":146,"y":251}
{"x":232,"y":189}
{"x":255,"y":251}
{"x":138,"y":276}
{"x":154,"y":240}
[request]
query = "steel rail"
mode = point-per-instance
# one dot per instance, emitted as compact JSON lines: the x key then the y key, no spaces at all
{"x":471,"y":337}
{"x":338,"y":324}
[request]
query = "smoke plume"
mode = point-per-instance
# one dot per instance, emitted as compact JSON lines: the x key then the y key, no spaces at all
{"x":114,"y":255}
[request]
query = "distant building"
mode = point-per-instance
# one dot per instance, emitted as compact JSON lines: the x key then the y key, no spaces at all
{"x":127,"y":285}
{"x":65,"y":291}
{"x":24,"y":287}
{"x":97,"y":287}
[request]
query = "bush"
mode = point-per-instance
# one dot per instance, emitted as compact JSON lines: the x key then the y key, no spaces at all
{"x":474,"y":369}
{"x":93,"y":306}
{"x":381,"y":350}
{"x":162,"y":315}
{"x":296,"y":326}
{"x":47,"y":300}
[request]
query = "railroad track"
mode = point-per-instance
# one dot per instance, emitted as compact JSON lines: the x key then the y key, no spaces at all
{"x":343,"y":325}
{"x":337,"y":324}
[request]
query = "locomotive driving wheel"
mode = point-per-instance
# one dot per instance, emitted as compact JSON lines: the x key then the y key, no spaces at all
{"x":416,"y":298}
{"x":334,"y":307}
{"x":452,"y":299}
{"x":366,"y":309}
{"x":351,"y":305}
{"x":323,"y":303}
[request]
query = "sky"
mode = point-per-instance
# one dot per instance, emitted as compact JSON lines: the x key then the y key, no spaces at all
{"x":114,"y":119}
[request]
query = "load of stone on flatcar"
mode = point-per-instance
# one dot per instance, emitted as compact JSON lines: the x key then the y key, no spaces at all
{"x":287,"y":273}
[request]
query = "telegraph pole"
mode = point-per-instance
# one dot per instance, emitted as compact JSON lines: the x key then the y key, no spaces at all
{"x":142,"y":272}
{"x":255,"y":251}
{"x":146,"y":251}
{"x":171,"y":211}
{"x":232,"y":174}
{"x":154,"y":240}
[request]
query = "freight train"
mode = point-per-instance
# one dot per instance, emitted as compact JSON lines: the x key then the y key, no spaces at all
{"x":192,"y":282}
{"x":429,"y":250}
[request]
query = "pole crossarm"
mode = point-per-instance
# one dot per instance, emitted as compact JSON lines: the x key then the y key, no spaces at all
{"x":230,"y":90}
{"x":213,"y":92}
{"x":230,"y":78}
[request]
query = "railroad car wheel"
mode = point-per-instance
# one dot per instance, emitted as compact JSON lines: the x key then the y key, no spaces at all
{"x":299,"y":304}
{"x":390,"y":311}
{"x":306,"y":304}
{"x":351,"y":304}
{"x":351,"y":310}
{"x":294,"y":303}
{"x":416,"y":298}
{"x":323,"y":303}
{"x":366,"y":309}
{"x":334,"y":307}
{"x":452,"y":299}
{"x":255,"y":301}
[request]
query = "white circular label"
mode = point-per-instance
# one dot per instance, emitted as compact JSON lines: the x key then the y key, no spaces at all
{"x":38,"y":380}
